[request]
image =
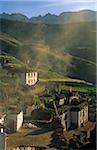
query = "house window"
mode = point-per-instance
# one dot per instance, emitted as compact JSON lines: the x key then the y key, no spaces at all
{"x":29,"y":81}
{"x":66,"y":117}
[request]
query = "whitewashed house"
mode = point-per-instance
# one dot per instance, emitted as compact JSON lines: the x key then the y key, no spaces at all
{"x":79,"y":116}
{"x":31,"y":78}
{"x":14,"y":121}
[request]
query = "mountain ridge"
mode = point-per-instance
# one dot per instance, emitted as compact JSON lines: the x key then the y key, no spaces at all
{"x":62,"y":18}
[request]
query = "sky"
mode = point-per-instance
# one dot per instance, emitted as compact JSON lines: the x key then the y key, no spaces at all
{"x":41,"y":7}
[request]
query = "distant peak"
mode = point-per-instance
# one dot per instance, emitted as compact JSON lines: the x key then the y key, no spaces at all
{"x":64,"y":17}
{"x":48,"y":14}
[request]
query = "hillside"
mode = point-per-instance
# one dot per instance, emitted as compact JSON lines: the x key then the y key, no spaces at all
{"x":55,"y":50}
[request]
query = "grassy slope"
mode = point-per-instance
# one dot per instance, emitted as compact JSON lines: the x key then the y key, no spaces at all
{"x":13,"y":62}
{"x":44,"y":46}
{"x":9,"y":39}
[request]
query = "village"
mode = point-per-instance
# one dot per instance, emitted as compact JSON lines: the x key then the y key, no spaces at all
{"x":48,"y":63}
{"x":63,"y":117}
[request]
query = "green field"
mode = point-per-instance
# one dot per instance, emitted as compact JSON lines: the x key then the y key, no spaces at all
{"x":80,"y":89}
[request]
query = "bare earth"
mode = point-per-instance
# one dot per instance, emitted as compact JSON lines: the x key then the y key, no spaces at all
{"x":29,"y":137}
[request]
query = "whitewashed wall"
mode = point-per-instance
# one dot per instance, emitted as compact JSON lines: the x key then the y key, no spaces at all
{"x":19,"y":120}
{"x":85,"y":114}
{"x":31,"y":78}
{"x":64,"y":120}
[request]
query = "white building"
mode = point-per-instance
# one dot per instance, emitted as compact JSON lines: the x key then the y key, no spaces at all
{"x":14,"y":121}
{"x":31,"y":78}
{"x":79,"y":116}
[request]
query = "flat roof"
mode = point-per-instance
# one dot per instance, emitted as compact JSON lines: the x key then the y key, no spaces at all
{"x":78,"y":107}
{"x":75,"y":109}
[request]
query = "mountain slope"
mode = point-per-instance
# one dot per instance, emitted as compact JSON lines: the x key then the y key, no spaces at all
{"x":55,"y":49}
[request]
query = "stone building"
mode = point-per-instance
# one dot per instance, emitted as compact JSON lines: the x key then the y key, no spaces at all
{"x":14,"y":121}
